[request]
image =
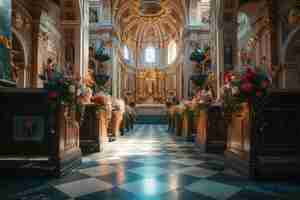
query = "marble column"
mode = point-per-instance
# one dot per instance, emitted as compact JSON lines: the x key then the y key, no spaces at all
{"x":274,"y":51}
{"x":187,"y":69}
{"x":75,"y":31}
{"x":219,"y":45}
{"x":226,"y":39}
{"x":35,"y":53}
{"x":85,"y":38}
{"x":115,"y":74}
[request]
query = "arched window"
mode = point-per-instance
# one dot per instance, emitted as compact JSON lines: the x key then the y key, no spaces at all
{"x":126,"y":53}
{"x":172,"y":52}
{"x":199,"y":12}
{"x":150,"y":56}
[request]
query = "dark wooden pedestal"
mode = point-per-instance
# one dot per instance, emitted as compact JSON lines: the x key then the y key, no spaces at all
{"x":269,"y":145}
{"x":211,"y":131}
{"x":34,"y":139}
{"x":92,"y":129}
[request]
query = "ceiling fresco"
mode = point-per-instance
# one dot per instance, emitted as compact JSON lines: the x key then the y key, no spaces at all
{"x":140,"y":22}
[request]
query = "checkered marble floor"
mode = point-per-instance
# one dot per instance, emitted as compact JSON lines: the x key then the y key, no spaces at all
{"x":148,"y":164}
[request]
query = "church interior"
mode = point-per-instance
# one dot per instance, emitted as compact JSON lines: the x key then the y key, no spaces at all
{"x":149,"y":99}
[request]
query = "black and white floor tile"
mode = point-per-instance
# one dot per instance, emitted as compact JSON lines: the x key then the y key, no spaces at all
{"x":148,"y":164}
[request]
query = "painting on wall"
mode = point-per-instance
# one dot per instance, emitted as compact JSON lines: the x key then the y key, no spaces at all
{"x":5,"y":36}
{"x":245,"y":39}
{"x":29,"y":128}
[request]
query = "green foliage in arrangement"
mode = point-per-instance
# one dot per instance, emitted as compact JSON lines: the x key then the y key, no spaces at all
{"x":101,"y":56}
{"x":250,"y":86}
{"x":244,"y":1}
{"x":61,"y":89}
{"x":199,"y":55}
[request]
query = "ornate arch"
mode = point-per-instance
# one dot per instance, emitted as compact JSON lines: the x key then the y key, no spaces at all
{"x":287,"y":43}
{"x":289,"y":59}
{"x":21,"y":28}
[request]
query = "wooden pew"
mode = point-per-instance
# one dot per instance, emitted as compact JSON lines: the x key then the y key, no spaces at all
{"x":178,"y":122}
{"x":33,"y":138}
{"x":201,"y":129}
{"x":188,"y":124}
{"x":93,"y":129}
{"x":171,"y":118}
{"x":267,"y":146}
{"x":211,"y":130}
{"x":116,"y":122}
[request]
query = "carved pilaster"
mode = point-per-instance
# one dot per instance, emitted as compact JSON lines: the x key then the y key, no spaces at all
{"x":272,"y":25}
{"x":35,"y":53}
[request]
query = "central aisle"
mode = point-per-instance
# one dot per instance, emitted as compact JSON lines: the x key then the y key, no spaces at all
{"x":148,"y":165}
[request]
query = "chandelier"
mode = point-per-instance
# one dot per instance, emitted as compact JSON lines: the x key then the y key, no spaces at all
{"x":150,"y":7}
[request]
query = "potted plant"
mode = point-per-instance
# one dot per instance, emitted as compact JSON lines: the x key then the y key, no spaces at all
{"x":200,"y":55}
{"x":101,"y":56}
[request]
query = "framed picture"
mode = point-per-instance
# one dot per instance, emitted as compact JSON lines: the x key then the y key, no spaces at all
{"x":29,"y":128}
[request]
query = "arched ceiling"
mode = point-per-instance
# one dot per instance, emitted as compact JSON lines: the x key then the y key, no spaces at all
{"x":140,"y":22}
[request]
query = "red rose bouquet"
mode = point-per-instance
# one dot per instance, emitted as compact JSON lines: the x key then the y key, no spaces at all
{"x":61,"y":89}
{"x":250,"y":86}
{"x":99,"y":100}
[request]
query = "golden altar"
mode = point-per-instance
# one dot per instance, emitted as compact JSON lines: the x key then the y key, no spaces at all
{"x":150,"y":86}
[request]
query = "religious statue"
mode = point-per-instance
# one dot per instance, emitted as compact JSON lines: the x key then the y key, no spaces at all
{"x":49,"y":71}
{"x":93,"y":15}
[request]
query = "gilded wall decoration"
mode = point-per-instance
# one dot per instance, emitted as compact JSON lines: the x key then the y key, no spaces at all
{"x":137,"y":28}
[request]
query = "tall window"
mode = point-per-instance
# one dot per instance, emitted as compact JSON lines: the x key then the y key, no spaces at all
{"x":199,"y":12}
{"x":150,"y":56}
{"x":172,"y":52}
{"x":126,"y":53}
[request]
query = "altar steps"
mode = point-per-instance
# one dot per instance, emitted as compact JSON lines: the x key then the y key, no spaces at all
{"x":151,"y":114}
{"x":151,"y":119}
